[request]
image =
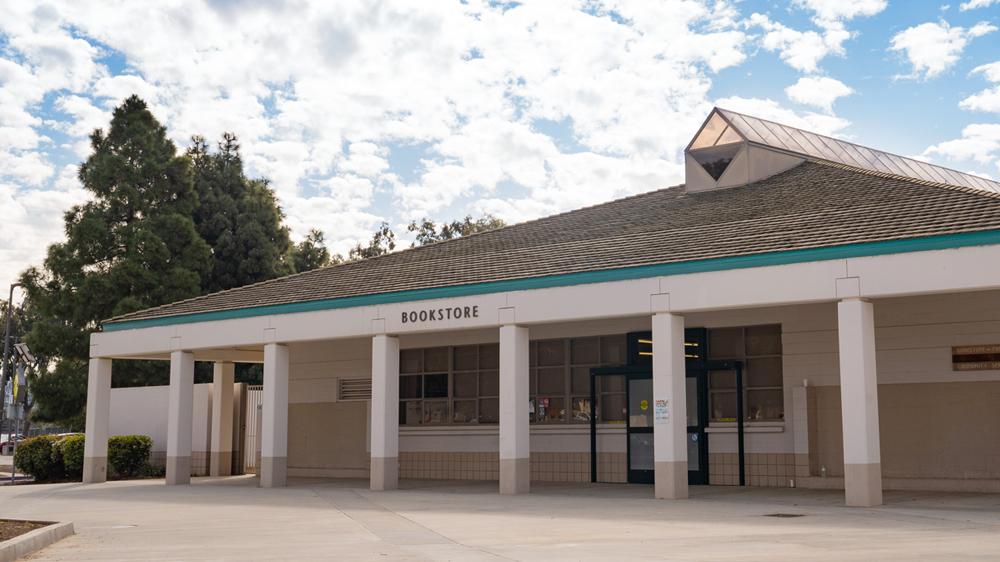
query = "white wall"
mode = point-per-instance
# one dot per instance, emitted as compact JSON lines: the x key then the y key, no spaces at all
{"x":143,"y":411}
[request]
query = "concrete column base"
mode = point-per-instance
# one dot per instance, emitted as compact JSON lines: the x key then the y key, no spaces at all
{"x":95,"y":470}
{"x":515,"y":476}
{"x":863,"y":484}
{"x":178,"y":470}
{"x":221,"y":463}
{"x":671,"y":480}
{"x":273,"y":472}
{"x":384,"y":474}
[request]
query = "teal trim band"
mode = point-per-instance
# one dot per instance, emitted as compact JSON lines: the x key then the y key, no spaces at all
{"x":942,"y":242}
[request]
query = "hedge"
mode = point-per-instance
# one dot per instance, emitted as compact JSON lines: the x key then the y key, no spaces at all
{"x":39,"y":457}
{"x":128,"y":455}
{"x":50,"y":457}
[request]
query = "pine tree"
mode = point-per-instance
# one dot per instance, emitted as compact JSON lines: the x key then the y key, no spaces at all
{"x":133,"y":246}
{"x":311,"y":253}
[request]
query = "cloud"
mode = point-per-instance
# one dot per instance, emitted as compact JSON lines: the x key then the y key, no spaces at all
{"x":932,"y":48}
{"x":974,"y":4}
{"x":980,"y":142}
{"x":836,"y":10}
{"x":819,"y":92}
{"x":988,"y":99}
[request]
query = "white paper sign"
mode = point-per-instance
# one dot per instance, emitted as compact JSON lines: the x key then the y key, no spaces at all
{"x":661,"y":411}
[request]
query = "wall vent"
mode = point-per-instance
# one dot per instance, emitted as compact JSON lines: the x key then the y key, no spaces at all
{"x":354,"y":389}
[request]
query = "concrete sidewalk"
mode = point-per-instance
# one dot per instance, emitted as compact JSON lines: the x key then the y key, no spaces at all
{"x":230,"y":519}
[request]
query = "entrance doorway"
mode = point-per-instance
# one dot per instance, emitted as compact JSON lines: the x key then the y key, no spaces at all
{"x":639,"y":423}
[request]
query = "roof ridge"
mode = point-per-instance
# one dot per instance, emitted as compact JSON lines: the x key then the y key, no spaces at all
{"x":910,"y":179}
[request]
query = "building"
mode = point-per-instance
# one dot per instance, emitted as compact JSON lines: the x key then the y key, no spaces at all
{"x":802,"y":311}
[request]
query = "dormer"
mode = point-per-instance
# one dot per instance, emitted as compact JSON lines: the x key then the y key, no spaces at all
{"x":732,"y":149}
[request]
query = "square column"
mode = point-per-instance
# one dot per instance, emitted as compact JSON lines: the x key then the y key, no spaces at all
{"x":669,"y":392}
{"x":221,"y":456}
{"x":385,"y":413}
{"x":274,"y":417}
{"x":859,"y":403}
{"x":179,"y":418}
{"x":515,"y":445}
{"x":95,"y":446}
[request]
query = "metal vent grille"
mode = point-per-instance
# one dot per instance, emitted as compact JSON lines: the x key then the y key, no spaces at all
{"x":354,"y":389}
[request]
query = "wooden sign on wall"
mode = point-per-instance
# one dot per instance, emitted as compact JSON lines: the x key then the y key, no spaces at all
{"x":975,"y":357}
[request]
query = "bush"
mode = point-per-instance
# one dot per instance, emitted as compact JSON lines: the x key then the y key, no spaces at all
{"x":39,"y":457}
{"x":129,"y":454}
{"x":71,"y":450}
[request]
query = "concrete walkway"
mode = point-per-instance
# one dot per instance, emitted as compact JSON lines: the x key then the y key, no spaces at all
{"x":230,"y":519}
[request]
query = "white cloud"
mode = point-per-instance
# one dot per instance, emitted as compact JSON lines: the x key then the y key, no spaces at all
{"x":988,"y":99}
{"x":973,"y":4}
{"x":834,"y":10}
{"x":980,"y":142}
{"x":818,"y":91}
{"x":932,"y":48}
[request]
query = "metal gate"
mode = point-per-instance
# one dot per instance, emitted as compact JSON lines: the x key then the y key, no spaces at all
{"x":251,"y":441}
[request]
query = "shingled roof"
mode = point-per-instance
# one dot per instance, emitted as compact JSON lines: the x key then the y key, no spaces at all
{"x":813,"y":205}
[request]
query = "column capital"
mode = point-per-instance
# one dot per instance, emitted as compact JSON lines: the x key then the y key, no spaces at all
{"x":659,"y":303}
{"x":506,"y":315}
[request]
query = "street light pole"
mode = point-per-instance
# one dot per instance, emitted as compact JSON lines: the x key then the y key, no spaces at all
{"x":5,"y":375}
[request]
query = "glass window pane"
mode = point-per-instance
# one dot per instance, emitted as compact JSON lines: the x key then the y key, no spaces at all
{"x":729,"y":136}
{"x":551,"y":381}
{"x":763,"y":371}
{"x":489,"y":383}
{"x":411,"y":361}
{"x":410,"y":387}
{"x":489,"y":356}
{"x":551,"y":353}
{"x":612,"y":383}
{"x":721,"y":379}
{"x":436,"y":386}
{"x":465,"y":411}
{"x":765,"y":405}
{"x":550,"y":409}
{"x":585,"y":351}
{"x":613,"y":350}
{"x":581,"y":409}
{"x":612,"y":408}
{"x":580,"y":383}
{"x":532,"y":354}
{"x":710,"y":132}
{"x":533,"y":382}
{"x":436,"y":359}
{"x":856,"y":159}
{"x":435,"y":411}
{"x":466,"y":358}
{"x":691,"y":393}
{"x":466,"y":385}
{"x":692,"y":446}
{"x":873,"y":162}
{"x":723,"y":406}
{"x":764,"y":340}
{"x":715,"y":160}
{"x":411,"y":413}
{"x":640,"y":450}
{"x":744,"y":127}
{"x":489,"y":410}
{"x":725,"y":343}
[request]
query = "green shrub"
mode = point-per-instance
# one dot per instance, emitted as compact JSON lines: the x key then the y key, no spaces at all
{"x":71,"y":450}
{"x":39,"y":457}
{"x":129,"y":454}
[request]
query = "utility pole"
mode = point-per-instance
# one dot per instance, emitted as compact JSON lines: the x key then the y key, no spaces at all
{"x":5,"y":375}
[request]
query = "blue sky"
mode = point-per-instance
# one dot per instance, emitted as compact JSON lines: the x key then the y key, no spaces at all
{"x":367,"y":111}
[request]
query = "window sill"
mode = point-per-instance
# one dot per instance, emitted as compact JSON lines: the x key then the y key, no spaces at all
{"x":749,"y":427}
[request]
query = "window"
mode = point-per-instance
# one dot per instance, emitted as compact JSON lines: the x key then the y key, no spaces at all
{"x":759,"y":348}
{"x":461,"y":385}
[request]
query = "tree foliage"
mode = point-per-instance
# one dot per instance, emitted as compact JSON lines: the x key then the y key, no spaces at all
{"x":429,"y":232}
{"x":311,"y":253}
{"x":383,"y":241}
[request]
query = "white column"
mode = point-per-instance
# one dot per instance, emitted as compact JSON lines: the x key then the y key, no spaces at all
{"x":274,"y":424}
{"x":179,"y":417}
{"x":670,"y":407}
{"x":221,"y":456}
{"x":95,"y":447}
{"x":859,"y":403}
{"x":515,"y":446}
{"x":385,"y":413}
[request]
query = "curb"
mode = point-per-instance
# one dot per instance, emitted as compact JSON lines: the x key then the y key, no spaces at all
{"x":23,"y":545}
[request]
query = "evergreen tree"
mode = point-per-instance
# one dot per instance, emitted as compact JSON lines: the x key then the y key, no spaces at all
{"x":383,"y":241}
{"x":133,"y":246}
{"x":312,"y":253}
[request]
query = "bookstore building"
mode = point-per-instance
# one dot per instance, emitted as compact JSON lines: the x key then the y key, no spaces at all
{"x":801,"y":312}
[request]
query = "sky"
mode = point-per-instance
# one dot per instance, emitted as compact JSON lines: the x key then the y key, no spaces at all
{"x":368,"y":111}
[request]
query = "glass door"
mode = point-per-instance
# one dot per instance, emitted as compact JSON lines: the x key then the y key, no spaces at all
{"x":697,"y":421}
{"x":640,"y":428}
